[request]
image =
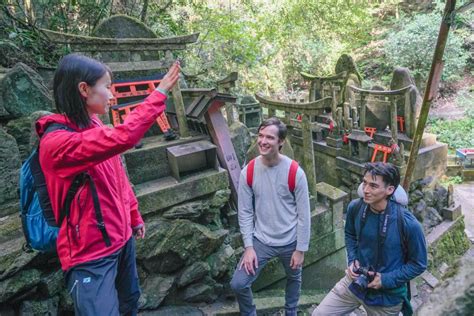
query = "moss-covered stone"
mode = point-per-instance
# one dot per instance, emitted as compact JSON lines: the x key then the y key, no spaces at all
{"x":192,"y":210}
{"x":222,"y":262}
{"x":22,"y":281}
{"x":449,"y":247}
{"x":206,"y":291}
{"x":13,"y":257}
{"x":123,"y":26}
{"x":220,"y":198}
{"x":170,"y":245}
{"x":20,"y":129}
{"x":193,"y":273}
{"x":154,"y":289}
{"x":23,"y":92}
{"x":321,"y":222}
{"x":10,"y":228}
{"x":52,"y":284}
{"x":40,"y":307}
{"x":10,"y":164}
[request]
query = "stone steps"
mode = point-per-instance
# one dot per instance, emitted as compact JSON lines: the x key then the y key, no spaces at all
{"x":158,"y":194}
{"x":150,"y":162}
{"x":266,"y":305}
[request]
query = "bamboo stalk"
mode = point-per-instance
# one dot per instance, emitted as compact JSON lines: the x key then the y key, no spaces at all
{"x":431,"y":89}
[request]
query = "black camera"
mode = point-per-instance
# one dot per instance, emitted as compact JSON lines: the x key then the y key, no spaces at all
{"x":360,"y":284}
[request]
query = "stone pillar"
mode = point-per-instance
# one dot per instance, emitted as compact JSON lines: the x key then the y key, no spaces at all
{"x":334,"y":198}
{"x":393,"y":119}
{"x":271,"y":112}
{"x":180,"y":112}
{"x":408,"y":115}
{"x":312,"y":91}
{"x":362,"y":111}
{"x":308,"y":154}
{"x":178,"y":103}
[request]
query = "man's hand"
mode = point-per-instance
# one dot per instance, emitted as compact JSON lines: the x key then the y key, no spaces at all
{"x":249,"y":261}
{"x":171,"y":77}
{"x":350,"y":270}
{"x":297,"y":259}
{"x":376,"y":282}
{"x":139,"y":231}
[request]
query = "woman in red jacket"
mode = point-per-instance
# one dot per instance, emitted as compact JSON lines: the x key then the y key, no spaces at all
{"x":95,"y":244}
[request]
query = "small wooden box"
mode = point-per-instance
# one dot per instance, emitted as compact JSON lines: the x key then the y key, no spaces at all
{"x":190,"y":158}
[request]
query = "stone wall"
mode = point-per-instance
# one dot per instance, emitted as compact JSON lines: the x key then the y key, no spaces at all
{"x":22,"y":93}
{"x":187,"y":257}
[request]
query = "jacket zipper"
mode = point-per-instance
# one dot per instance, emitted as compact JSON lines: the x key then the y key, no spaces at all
{"x":79,"y":209}
{"x":73,"y":286}
{"x":121,"y":197}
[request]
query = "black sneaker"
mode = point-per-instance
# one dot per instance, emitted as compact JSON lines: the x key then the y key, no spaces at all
{"x":170,"y":135}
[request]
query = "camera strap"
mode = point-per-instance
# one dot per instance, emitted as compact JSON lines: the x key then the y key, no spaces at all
{"x":382,"y":234}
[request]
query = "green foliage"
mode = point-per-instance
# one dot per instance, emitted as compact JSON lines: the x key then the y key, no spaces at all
{"x":412,"y":46}
{"x":446,"y":181}
{"x":269,"y":42}
{"x":457,"y":134}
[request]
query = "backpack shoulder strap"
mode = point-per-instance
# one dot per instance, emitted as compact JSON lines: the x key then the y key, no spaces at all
{"x":40,"y":181}
{"x":78,"y":181}
{"x":292,"y":176}
{"x":402,"y":231}
{"x":401,"y":209}
{"x":55,"y":126}
{"x":360,"y":210}
{"x":250,"y":169}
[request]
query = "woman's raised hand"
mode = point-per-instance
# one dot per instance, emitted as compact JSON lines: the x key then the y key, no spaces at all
{"x":171,"y":77}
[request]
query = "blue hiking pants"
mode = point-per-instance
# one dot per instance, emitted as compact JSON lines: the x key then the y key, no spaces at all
{"x":107,"y":286}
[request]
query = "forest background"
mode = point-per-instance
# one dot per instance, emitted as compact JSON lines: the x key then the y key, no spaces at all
{"x":270,"y":42}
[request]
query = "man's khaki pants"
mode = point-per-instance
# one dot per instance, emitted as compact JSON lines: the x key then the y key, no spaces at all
{"x":341,"y":301}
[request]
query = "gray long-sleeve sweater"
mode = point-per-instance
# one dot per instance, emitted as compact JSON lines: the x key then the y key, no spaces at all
{"x":279,"y":217}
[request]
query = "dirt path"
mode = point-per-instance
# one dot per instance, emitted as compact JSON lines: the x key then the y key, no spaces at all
{"x":446,"y":106}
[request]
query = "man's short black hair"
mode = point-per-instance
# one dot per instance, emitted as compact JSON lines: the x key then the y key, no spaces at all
{"x":389,"y":173}
{"x":282,"y":131}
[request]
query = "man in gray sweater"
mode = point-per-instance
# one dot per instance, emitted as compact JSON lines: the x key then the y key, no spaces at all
{"x":274,"y":218}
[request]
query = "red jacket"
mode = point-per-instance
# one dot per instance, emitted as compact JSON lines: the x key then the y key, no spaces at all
{"x":64,"y":154}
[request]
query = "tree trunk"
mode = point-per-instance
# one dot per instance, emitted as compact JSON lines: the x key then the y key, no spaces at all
{"x":144,"y":11}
